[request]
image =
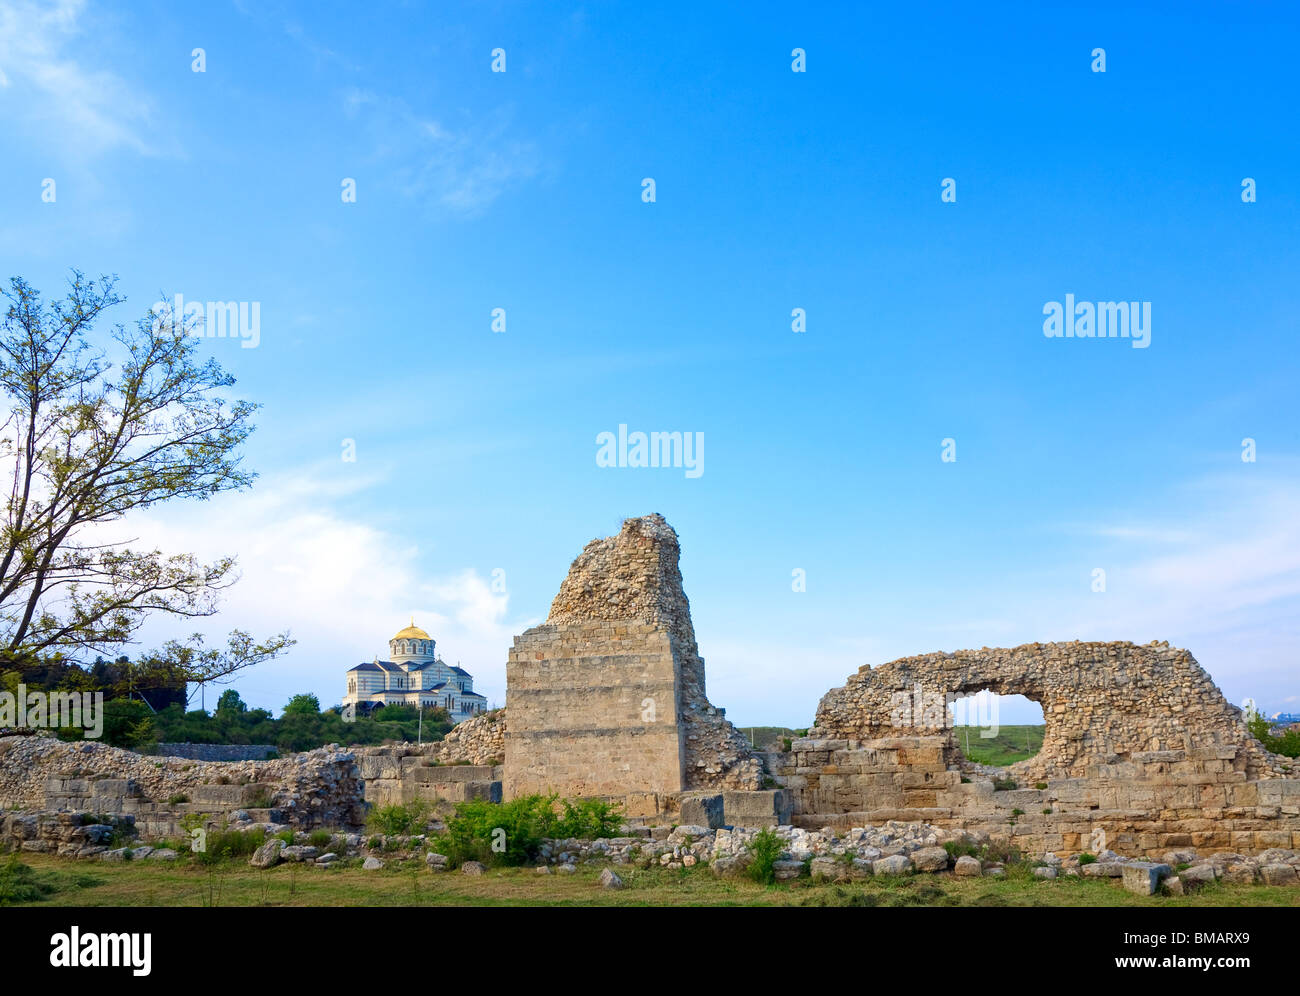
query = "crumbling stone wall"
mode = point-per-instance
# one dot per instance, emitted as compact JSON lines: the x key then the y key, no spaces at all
{"x":318,"y":788}
{"x":607,"y":697}
{"x":1101,"y":703}
{"x":478,"y":740}
{"x":1141,"y":753}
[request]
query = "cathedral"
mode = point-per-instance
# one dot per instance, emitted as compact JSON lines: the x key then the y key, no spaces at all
{"x":414,"y":676}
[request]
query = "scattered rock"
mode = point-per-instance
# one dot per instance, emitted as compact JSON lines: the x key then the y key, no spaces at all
{"x":268,"y":855}
{"x":930,"y":859}
{"x":895,"y":864}
{"x":967,"y":866}
{"x":609,"y":880}
{"x":1143,"y":878}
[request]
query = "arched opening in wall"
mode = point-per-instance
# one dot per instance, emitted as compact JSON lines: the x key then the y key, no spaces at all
{"x":997,"y":730}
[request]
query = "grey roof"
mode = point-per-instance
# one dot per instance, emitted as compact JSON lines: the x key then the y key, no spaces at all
{"x":461,"y":670}
{"x":367,"y":666}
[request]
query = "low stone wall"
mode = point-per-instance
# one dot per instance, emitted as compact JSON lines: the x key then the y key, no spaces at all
{"x":317,"y":788}
{"x":406,"y":773}
{"x":1146,"y":804}
{"x":218,"y":752}
{"x":67,"y":834}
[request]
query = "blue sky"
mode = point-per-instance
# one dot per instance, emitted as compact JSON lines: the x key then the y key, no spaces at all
{"x":775,"y":190}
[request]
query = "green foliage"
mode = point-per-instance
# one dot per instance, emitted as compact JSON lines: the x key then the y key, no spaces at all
{"x":1086,"y":859}
{"x":302,"y":725}
{"x":1004,"y":785}
{"x":320,"y":838}
{"x":588,"y":819}
{"x":224,"y":844}
{"x":1288,"y":744}
{"x":511,"y":833}
{"x":402,"y":820}
{"x":765,"y":849}
{"x":499,"y":833}
{"x":302,"y":705}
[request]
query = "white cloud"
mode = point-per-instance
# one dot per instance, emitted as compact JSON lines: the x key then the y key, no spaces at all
{"x":340,"y":585}
{"x":44,"y":83}
{"x":461,"y":168}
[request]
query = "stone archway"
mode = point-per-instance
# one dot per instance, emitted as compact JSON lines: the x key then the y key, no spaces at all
{"x":1101,"y":702}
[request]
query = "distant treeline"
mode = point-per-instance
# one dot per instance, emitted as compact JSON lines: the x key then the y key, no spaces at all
{"x":302,"y":724}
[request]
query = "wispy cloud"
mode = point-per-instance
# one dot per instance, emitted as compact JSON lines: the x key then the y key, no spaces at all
{"x":460,"y":168}
{"x":47,"y":80}
{"x":340,"y":584}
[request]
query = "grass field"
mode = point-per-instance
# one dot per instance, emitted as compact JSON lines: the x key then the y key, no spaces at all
{"x":234,"y":883}
{"x":1012,"y":744}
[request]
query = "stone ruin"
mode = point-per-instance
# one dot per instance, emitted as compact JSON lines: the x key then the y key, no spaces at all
{"x":1141,"y":751}
{"x":607,"y":697}
{"x":1142,"y":754}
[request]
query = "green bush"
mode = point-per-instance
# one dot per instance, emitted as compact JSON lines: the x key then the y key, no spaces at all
{"x":511,"y":833}
{"x":1288,"y":744}
{"x":765,"y":848}
{"x":588,"y":819}
{"x":223,"y":844}
{"x":1086,"y":859}
{"x":320,"y":838}
{"x":399,"y":820}
{"x":499,"y":833}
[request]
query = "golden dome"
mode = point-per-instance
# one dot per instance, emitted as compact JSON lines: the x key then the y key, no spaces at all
{"x":412,"y":632}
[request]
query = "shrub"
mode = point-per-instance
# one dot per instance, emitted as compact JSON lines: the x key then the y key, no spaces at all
{"x":1288,"y":744}
{"x":320,"y":838}
{"x":588,"y":819}
{"x":177,"y":799}
{"x":1004,"y":785}
{"x":223,"y":844}
{"x":399,"y":820}
{"x":765,"y":848}
{"x":1040,"y":785}
{"x":1086,"y":859}
{"x":499,"y":833}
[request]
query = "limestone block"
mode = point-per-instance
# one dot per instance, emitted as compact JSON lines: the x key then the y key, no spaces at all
{"x":1143,"y":877}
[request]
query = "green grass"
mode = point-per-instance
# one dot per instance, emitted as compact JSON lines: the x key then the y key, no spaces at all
{"x":234,"y":883}
{"x":1012,"y":744}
